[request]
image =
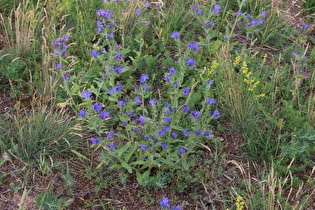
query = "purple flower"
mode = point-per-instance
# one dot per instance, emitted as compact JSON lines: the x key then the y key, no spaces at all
{"x":305,"y":26}
{"x":210,"y":101}
{"x":112,"y":147}
{"x":225,"y":37}
{"x":264,"y":14}
{"x":197,"y":133}
{"x":167,"y":78}
{"x":94,"y":53}
{"x":181,"y":150}
{"x":94,"y":140}
{"x":216,"y":9}
{"x":171,"y":70}
{"x":186,"y":132}
{"x":136,"y":129}
{"x":260,"y":21}
{"x":63,"y":47}
{"x":118,"y":88}
{"x":176,"y":207}
{"x":143,"y":78}
{"x":138,"y":11}
{"x":175,"y":35}
{"x":143,"y":147}
{"x":168,"y":111}
{"x":148,"y":23}
{"x":167,"y":128}
{"x":100,"y":12}
{"x":153,"y":101}
{"x":110,"y":134}
{"x":166,"y":105}
{"x":239,"y":13}
{"x":66,"y":77}
{"x":216,"y":114}
{"x":146,"y":137}
{"x":193,"y":46}
{"x":104,"y":50}
{"x":86,"y":94}
{"x":117,"y":57}
{"x":175,"y":84}
{"x":167,"y":119}
{"x":207,"y":25}
{"x":65,"y":38}
{"x":147,"y":4}
{"x":185,"y":108}
{"x":199,"y":11}
{"x":58,"y":66}
{"x":141,"y":120}
{"x":82,"y":113}
{"x":104,"y":115}
{"x":174,"y":135}
{"x":207,"y":133}
{"x":164,"y":146}
{"x":191,"y":62}
{"x":195,"y":114}
{"x":193,"y":7}
{"x":57,"y":52}
{"x":97,"y":107}
{"x":137,"y":100}
{"x":186,"y":91}
{"x":160,"y":132}
{"x":111,"y":91}
{"x":110,"y":36}
{"x":122,"y":102}
{"x":56,"y":43}
{"x":248,"y":16}
{"x":118,"y":69}
{"x":165,"y":203}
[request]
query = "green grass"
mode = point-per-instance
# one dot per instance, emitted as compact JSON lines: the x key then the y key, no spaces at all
{"x":261,"y":146}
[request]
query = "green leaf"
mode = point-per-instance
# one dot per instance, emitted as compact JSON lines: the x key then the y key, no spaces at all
{"x":138,"y":162}
{"x":130,"y":153}
{"x":123,"y":149}
{"x":167,"y":162}
{"x":79,"y":154}
{"x":115,"y":166}
{"x":122,"y":136}
{"x":176,"y":127}
{"x":126,"y":166}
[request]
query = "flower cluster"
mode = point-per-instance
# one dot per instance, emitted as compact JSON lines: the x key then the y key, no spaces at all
{"x":165,"y":204}
{"x":61,"y":51}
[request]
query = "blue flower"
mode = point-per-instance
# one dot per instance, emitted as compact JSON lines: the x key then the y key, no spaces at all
{"x":167,"y":119}
{"x":191,"y":62}
{"x":147,"y":4}
{"x":94,"y":53}
{"x":63,"y":47}
{"x":167,"y":128}
{"x":118,"y":88}
{"x":175,"y":35}
{"x":193,"y":7}
{"x":82,"y":113}
{"x":248,"y":16}
{"x":112,"y":147}
{"x":197,"y":133}
{"x":176,"y":207}
{"x":165,"y":203}
{"x":181,"y":150}
{"x":137,"y":100}
{"x":171,"y":70}
{"x":111,"y":91}
{"x":117,"y":57}
{"x":65,"y":38}
{"x":174,"y":135}
{"x":210,"y":82}
{"x":193,"y":46}
{"x":143,"y":147}
{"x":186,"y":132}
{"x":264,"y":14}
{"x":167,"y":78}
{"x":186,"y":91}
{"x":94,"y":140}
{"x":160,"y":132}
{"x":195,"y":114}
{"x":153,"y":101}
{"x":207,"y":133}
{"x":175,"y":84}
{"x":97,"y":107}
{"x":141,"y":120}
{"x":185,"y":108}
{"x":122,"y":102}
{"x":164,"y":146}
{"x":216,"y":9}
{"x":143,"y":78}
{"x":110,"y":36}
{"x":110,"y":134}
{"x":138,"y":11}
{"x":58,"y":66}
{"x":210,"y":101}
{"x":86,"y":94}
{"x":166,"y":105}
{"x":104,"y":115}
{"x":239,"y":13}
{"x":216,"y":114}
{"x":199,"y":11}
